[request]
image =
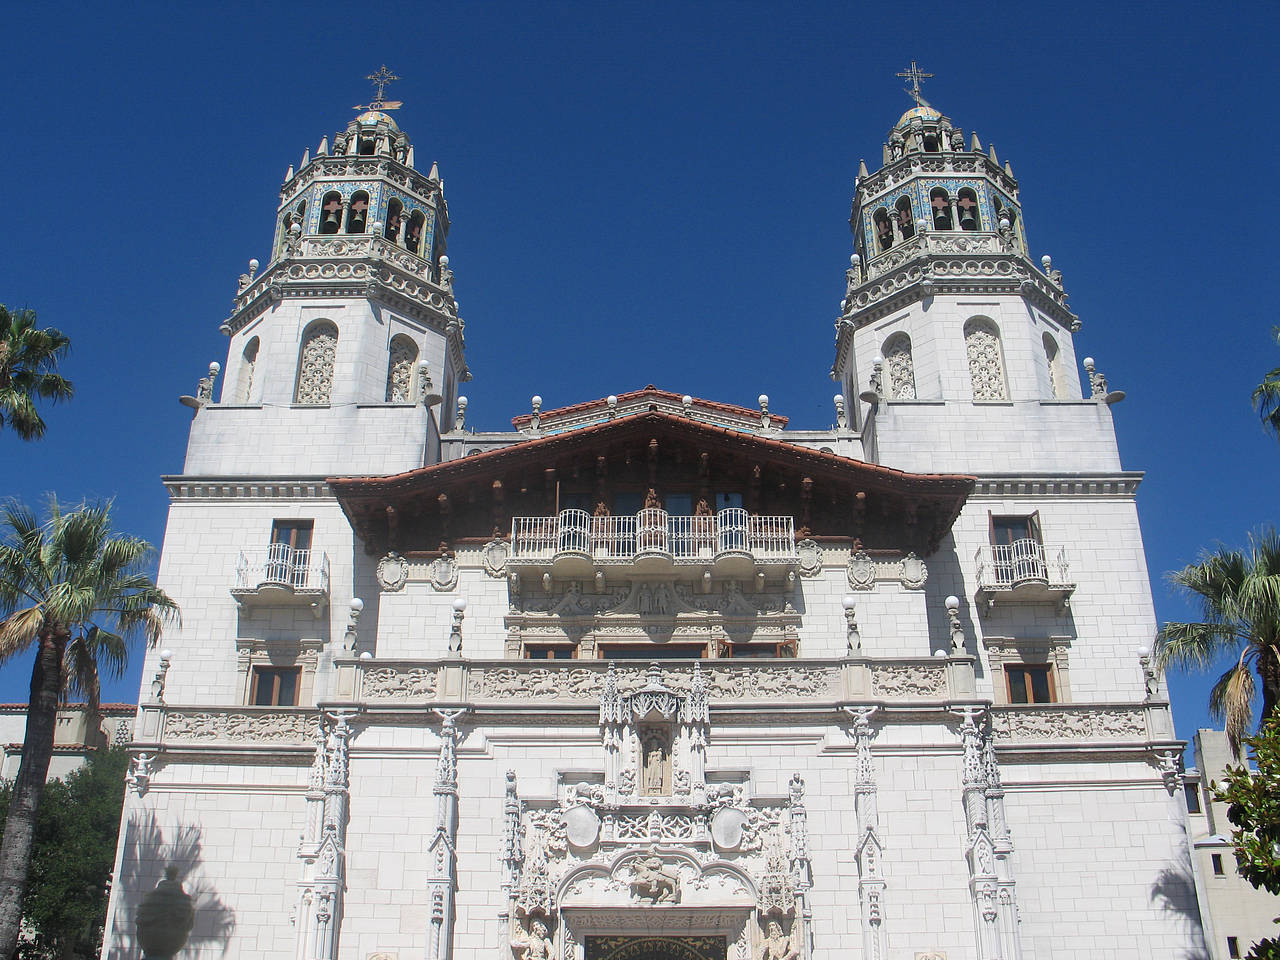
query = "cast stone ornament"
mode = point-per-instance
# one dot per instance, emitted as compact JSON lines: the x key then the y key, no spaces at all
{"x":913,"y":572}
{"x":494,"y":555}
{"x":809,"y":554}
{"x":393,"y":572}
{"x":862,"y":571}
{"x":443,"y":572}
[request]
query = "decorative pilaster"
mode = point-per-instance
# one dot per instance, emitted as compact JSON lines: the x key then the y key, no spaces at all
{"x":442,"y":882}
{"x":695,"y":718}
{"x":323,"y":849}
{"x":995,"y":909}
{"x":1003,"y":846}
{"x":512,"y":855}
{"x":801,"y":869}
{"x":869,"y":852}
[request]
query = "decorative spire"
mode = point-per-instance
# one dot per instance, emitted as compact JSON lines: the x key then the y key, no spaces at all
{"x":380,"y":81}
{"x":915,"y":75}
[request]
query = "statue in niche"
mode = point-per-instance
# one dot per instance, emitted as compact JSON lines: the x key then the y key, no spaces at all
{"x":776,"y":946}
{"x":536,"y":944}
{"x":654,"y":768}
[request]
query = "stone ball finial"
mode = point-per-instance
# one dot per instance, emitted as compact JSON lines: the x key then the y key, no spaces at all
{"x":611,"y":400}
{"x":462,"y":403}
{"x":460,"y":604}
{"x":952,"y":604}
{"x":356,"y":605}
{"x":253,"y":265}
{"x":215,"y":368}
{"x":1046,"y":261}
{"x":763,"y":399}
{"x":444,"y":260}
{"x":854,"y":260}
{"x":1088,"y":362}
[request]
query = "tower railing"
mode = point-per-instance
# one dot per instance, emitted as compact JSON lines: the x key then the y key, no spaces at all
{"x":653,"y":531}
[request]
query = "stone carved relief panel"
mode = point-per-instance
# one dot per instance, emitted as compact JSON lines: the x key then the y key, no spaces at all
{"x":400,"y":370}
{"x":909,"y":681}
{"x":723,"y":683}
{"x":315,"y":364}
{"x":388,"y":683}
{"x":241,"y":727}
{"x":1022,"y":724}
{"x":901,"y":369}
{"x":986,"y":360}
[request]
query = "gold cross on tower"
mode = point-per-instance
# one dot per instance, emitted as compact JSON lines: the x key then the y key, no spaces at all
{"x":380,"y":80}
{"x":915,"y":75}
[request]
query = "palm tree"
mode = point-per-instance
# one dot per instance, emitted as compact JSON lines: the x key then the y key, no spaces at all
{"x":28,"y":370}
{"x":1239,"y":596}
{"x":76,"y":593}
{"x":1266,"y":398}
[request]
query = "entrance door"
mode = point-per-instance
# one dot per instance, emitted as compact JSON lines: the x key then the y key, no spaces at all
{"x":656,"y":948}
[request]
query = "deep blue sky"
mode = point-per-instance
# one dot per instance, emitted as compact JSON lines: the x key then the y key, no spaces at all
{"x":649,"y":193}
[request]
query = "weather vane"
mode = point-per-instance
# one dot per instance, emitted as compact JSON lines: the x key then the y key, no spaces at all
{"x":380,"y":80}
{"x":915,"y":75}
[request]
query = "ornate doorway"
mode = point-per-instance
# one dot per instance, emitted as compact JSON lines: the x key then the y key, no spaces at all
{"x":656,"y":948}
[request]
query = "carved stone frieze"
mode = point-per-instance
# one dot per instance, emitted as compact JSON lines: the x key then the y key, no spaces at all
{"x":240,"y":726}
{"x":387,"y":683}
{"x":894,"y":681}
{"x":746,"y":683}
{"x":1024,"y":724}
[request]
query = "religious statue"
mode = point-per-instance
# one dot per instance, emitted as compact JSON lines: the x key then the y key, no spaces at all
{"x":653,"y":882}
{"x":775,"y":945}
{"x":627,"y":782}
{"x":896,"y":144}
{"x":536,"y":945}
{"x":655,"y":751}
{"x":651,"y":501}
{"x":957,"y":140}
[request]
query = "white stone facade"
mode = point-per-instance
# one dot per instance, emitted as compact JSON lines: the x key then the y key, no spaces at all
{"x":829,"y":757}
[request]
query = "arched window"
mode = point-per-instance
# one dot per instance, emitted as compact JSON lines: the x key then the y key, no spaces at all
{"x":400,"y":363}
{"x":413,"y":233}
{"x":1053,"y":360}
{"x":986,"y":360}
{"x":315,"y":363}
{"x":331,"y":210}
{"x":941,"y":207}
{"x":967,"y":202}
{"x":906,"y":223}
{"x":897,"y":360}
{"x":884,"y":229}
{"x":248,"y":364}
{"x":358,"y":212}
{"x":395,"y":210}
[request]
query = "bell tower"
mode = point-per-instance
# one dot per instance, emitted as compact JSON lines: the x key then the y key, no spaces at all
{"x":347,"y":349}
{"x":958,"y":346}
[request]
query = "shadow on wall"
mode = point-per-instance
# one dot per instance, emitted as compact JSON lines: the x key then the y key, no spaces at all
{"x":1174,"y":892}
{"x":148,"y":850}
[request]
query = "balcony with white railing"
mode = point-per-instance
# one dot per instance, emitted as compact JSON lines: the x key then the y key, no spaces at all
{"x":1023,"y":571}
{"x":574,"y":542}
{"x":282,"y":575}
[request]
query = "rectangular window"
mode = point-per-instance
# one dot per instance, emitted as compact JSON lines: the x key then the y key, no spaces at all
{"x":1192,"y":791}
{"x":547,"y":652}
{"x":726,"y":500}
{"x":1006,"y":530}
{"x":760,"y":651}
{"x":275,"y":687}
{"x":1233,"y":946}
{"x":295,"y":533}
{"x":1218,"y":871}
{"x":1030,"y":684}
{"x":289,"y":557}
{"x":654,"y":651}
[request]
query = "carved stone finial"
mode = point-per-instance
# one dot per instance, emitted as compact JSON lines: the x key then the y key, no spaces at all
{"x":842,"y":416}
{"x":460,"y":418}
{"x":953,"y":619}
{"x":204,"y":389}
{"x":455,"y":634}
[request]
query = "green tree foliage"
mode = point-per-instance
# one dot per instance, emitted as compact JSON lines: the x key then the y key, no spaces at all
{"x":1239,"y":596}
{"x":1253,"y":807}
{"x":74,"y":592}
{"x":65,"y":908}
{"x":1266,"y":398}
{"x":29,"y":371}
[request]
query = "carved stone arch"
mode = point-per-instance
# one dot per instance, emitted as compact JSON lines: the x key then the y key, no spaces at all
{"x":316,"y":357}
{"x":900,"y":366}
{"x":986,"y":359}
{"x":401,"y":359}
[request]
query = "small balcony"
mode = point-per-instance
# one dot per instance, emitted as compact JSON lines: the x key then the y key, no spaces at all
{"x":732,"y":542}
{"x":282,"y":575}
{"x":1024,"y":571}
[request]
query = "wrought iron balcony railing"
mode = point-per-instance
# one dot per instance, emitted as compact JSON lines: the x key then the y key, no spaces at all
{"x":279,"y":572}
{"x":1025,"y":569}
